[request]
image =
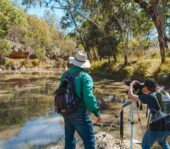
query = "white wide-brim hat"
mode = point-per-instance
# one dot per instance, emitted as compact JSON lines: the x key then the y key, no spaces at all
{"x":80,"y":60}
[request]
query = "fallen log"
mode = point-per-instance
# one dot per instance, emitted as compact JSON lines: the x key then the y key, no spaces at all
{"x":107,"y":124}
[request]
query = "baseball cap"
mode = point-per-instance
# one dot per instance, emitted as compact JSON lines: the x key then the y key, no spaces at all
{"x":151,"y":84}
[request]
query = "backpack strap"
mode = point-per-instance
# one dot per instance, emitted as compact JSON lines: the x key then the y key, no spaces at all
{"x":159,"y":99}
{"x":75,"y":74}
{"x":72,"y":78}
{"x":66,"y":74}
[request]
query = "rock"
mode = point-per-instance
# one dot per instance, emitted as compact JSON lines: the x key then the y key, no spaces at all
{"x":104,"y":141}
{"x":57,"y":147}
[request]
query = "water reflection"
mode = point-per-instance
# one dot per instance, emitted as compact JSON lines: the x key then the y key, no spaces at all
{"x":40,"y":132}
{"x":19,"y":111}
{"x":24,"y":100}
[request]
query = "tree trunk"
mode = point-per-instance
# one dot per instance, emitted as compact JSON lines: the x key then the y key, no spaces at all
{"x":151,"y":9}
{"x":115,"y":58}
{"x":96,"y":57}
{"x":125,"y":37}
{"x":158,"y":21}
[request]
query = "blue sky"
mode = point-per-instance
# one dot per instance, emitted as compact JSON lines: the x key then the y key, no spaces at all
{"x":39,"y":11}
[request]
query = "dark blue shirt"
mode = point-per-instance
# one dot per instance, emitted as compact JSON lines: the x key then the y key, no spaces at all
{"x":150,"y":101}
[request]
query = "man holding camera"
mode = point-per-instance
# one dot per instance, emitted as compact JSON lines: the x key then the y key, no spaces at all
{"x":150,"y":136}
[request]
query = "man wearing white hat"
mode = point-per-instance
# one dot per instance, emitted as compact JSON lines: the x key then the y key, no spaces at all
{"x":79,"y":121}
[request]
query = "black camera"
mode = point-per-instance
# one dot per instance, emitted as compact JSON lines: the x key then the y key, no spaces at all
{"x":138,"y":86}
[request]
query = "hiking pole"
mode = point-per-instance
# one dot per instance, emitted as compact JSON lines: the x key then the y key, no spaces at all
{"x":132,"y":124}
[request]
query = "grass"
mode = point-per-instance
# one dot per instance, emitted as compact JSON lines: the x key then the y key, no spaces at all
{"x":148,"y":67}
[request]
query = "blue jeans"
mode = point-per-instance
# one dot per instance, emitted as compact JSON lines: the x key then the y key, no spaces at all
{"x":80,"y":122}
{"x":151,"y":136}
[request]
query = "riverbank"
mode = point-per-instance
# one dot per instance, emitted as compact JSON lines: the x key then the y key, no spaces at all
{"x":7,"y":64}
{"x":135,"y":69}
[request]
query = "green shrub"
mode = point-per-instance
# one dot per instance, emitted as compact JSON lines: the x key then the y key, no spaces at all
{"x":5,"y":47}
{"x":165,"y":68}
{"x":98,"y":68}
{"x":155,"y":55}
{"x":35,"y":63}
{"x":168,"y":54}
{"x":128,"y":70}
{"x":141,"y":71}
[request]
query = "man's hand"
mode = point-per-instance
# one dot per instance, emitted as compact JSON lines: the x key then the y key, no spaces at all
{"x":99,"y":119}
{"x":131,"y":95}
{"x":133,"y":83}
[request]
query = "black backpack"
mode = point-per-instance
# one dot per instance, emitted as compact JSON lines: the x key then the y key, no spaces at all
{"x":66,"y":101}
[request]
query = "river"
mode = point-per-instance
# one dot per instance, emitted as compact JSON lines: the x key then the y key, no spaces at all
{"x":27,"y":117}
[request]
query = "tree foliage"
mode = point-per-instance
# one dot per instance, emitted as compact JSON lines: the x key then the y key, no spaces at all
{"x":5,"y":47}
{"x":100,"y":27}
{"x":10,"y":16}
{"x":157,"y":10}
{"x":39,"y":36}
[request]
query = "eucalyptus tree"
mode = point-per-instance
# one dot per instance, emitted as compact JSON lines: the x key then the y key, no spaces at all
{"x":98,"y":25}
{"x":118,"y":14}
{"x":166,"y":7}
{"x":117,"y":20}
{"x":102,"y":42}
{"x":157,"y":10}
{"x":141,"y":29}
{"x":76,"y":13}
